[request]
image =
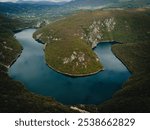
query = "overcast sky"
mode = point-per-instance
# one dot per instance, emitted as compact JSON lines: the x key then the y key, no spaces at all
{"x":35,"y":0}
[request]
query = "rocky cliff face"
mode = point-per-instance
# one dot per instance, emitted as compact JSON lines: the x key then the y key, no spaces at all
{"x":94,"y":33}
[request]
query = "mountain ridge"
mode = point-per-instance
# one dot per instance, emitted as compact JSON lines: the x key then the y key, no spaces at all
{"x":40,"y":2}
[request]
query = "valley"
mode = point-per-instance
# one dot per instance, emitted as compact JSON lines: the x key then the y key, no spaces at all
{"x":70,"y":32}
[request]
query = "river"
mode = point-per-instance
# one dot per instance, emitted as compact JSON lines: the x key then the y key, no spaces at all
{"x":31,"y":70}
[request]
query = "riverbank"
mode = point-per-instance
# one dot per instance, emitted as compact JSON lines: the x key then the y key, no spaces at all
{"x":75,"y":75}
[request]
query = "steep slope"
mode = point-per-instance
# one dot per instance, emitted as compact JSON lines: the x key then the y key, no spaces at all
{"x":9,"y":47}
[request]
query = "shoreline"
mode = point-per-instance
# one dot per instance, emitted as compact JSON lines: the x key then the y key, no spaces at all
{"x":115,"y":42}
{"x":121,"y":60}
{"x":74,"y":75}
{"x":13,"y":61}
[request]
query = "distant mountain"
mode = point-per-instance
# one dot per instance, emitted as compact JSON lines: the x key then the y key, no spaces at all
{"x":80,"y":3}
{"x":85,"y":4}
{"x":55,"y":10}
{"x":40,"y":2}
{"x":88,"y":4}
{"x":8,"y":7}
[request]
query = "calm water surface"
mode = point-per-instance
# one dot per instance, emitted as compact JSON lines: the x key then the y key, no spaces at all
{"x":31,"y":70}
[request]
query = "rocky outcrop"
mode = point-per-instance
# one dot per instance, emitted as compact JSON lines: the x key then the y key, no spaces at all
{"x":95,"y":32}
{"x":78,"y":58}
